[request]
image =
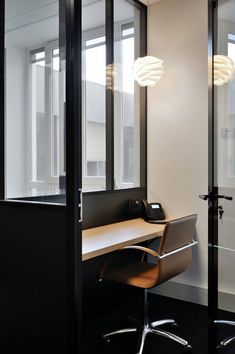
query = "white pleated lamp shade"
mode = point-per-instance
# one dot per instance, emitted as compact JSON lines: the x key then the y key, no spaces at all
{"x":147,"y":71}
{"x":223,"y":69}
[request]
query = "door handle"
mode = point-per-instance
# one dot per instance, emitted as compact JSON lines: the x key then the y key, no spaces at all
{"x":216,"y":196}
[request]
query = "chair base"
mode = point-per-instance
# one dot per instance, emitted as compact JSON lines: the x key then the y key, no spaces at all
{"x":151,"y":328}
{"x":229,"y":340}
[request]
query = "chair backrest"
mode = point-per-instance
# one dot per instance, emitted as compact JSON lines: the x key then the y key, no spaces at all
{"x":177,"y":233}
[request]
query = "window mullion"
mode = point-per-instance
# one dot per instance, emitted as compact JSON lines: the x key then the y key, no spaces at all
{"x":48,"y":108}
{"x":109,"y":95}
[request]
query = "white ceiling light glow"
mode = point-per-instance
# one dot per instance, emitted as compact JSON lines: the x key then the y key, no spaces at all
{"x":147,"y":71}
{"x":223,"y":69}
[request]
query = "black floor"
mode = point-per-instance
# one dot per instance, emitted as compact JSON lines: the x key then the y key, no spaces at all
{"x":191,"y":318}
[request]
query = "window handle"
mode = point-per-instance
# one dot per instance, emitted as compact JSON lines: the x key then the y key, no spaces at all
{"x":80,"y":205}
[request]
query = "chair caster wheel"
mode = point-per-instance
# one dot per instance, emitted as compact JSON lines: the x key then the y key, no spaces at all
{"x":106,"y":339}
{"x":175,"y":325}
{"x":187,"y":348}
{"x":221,"y":348}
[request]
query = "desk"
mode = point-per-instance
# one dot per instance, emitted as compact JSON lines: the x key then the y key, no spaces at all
{"x":104,"y":239}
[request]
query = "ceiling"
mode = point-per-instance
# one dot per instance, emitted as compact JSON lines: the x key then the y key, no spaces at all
{"x":227,"y":11}
{"x":16,"y":8}
{"x":31,"y":23}
{"x":122,"y":10}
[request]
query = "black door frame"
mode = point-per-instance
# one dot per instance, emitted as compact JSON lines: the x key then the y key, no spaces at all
{"x":212,"y":182}
{"x":70,"y":27}
{"x":74,"y":171}
{"x":212,"y":221}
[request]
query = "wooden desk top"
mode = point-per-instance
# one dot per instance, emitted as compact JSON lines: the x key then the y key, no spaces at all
{"x":104,"y":239}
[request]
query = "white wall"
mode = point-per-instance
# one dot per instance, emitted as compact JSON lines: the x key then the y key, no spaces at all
{"x":178,"y":119}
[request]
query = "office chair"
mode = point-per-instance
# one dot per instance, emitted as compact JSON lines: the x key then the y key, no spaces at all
{"x":173,"y":257}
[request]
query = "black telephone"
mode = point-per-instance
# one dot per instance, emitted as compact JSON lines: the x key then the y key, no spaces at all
{"x":152,"y":211}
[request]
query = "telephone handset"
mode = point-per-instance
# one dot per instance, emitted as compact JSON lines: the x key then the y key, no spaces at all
{"x":152,"y":211}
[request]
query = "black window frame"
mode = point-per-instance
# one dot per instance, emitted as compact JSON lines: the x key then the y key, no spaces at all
{"x":112,"y":205}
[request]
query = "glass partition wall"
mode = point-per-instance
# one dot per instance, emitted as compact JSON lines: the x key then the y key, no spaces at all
{"x":113,"y":110}
{"x":113,"y":105}
{"x":222,"y":199}
{"x":225,"y":110}
{"x":34,"y":98}
{"x":35,"y":78}
{"x":111,"y":99}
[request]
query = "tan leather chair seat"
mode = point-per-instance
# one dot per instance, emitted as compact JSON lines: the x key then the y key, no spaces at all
{"x":142,"y":275}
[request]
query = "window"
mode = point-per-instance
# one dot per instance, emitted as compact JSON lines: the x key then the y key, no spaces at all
{"x":231,"y":113}
{"x":46,"y":91}
{"x":111,"y":98}
{"x":94,"y":83}
{"x":226,"y":115}
{"x":127,"y":135}
{"x":93,"y":96}
{"x":37,"y":59}
{"x":95,"y":168}
{"x":35,"y":67}
{"x":127,"y":109}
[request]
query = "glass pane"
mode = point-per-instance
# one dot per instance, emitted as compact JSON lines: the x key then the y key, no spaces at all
{"x":35,"y":100}
{"x":95,"y":41}
{"x":126,"y":96}
{"x":225,"y":112}
{"x":94,"y":95}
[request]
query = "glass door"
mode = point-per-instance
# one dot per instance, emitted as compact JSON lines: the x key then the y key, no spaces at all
{"x":224,"y":106}
{"x":221,"y":197}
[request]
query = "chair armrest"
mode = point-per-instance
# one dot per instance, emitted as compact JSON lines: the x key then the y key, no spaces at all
{"x":189,"y":245}
{"x":142,"y":249}
{"x":138,"y":248}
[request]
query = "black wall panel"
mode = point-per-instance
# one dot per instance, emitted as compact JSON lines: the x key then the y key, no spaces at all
{"x":33,"y":285}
